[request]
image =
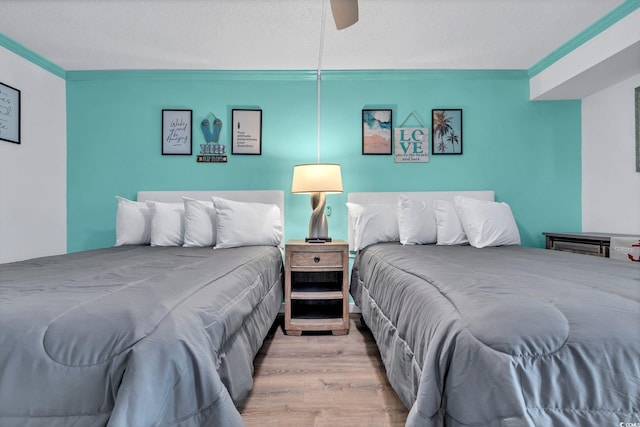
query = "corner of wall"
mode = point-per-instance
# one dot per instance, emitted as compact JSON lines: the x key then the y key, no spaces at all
{"x":33,"y":180}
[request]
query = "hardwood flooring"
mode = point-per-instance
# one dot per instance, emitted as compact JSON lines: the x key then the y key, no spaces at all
{"x":321,"y":380}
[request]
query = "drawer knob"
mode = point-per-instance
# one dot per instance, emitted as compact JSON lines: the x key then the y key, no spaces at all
{"x":316,"y":259}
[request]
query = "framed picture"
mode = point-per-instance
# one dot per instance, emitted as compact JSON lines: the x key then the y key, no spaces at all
{"x":446,"y":131}
{"x":176,"y":132}
{"x":638,"y":129}
{"x":9,"y":114}
{"x":376,"y":131}
{"x":246,"y":134}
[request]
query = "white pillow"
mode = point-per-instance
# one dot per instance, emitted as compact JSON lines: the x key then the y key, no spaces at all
{"x":247,"y":224}
{"x":167,"y":223}
{"x":199,"y":223}
{"x":448,"y":226}
{"x":487,"y":223}
{"x":373,"y":224}
{"x":133,"y":223}
{"x":416,"y":221}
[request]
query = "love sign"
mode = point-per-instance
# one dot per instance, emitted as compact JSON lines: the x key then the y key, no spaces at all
{"x":411,"y":145}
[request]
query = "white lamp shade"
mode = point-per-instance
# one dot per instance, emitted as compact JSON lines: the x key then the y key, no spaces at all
{"x":318,"y":177}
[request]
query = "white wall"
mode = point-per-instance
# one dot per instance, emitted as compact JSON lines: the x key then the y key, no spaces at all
{"x":33,"y":183}
{"x":602,"y":61}
{"x":610,"y":183}
{"x":603,"y":72}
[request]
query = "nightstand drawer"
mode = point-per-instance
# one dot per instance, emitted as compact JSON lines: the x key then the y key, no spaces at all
{"x":316,"y":259}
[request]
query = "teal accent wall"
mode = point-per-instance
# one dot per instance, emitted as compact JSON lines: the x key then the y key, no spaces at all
{"x":528,"y":152}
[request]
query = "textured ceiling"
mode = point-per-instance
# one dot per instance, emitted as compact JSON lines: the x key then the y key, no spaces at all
{"x":285,"y":34}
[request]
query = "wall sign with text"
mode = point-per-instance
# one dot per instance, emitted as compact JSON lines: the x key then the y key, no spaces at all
{"x":246,"y":133}
{"x":176,"y":132}
{"x":411,"y":145}
{"x":9,"y":114}
{"x":211,"y":151}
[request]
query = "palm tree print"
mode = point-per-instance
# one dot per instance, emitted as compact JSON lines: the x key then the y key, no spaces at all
{"x":447,"y":131}
{"x":442,"y":123}
{"x":452,"y":138}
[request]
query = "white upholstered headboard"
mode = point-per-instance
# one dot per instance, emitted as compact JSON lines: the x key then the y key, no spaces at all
{"x":391,"y":198}
{"x":260,"y":196}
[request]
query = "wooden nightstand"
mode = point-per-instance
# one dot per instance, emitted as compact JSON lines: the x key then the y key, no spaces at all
{"x":316,"y":287}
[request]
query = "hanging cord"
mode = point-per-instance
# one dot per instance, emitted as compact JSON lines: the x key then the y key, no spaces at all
{"x":319,"y":75}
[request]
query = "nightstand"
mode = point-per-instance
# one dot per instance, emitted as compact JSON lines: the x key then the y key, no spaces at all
{"x":316,"y":287}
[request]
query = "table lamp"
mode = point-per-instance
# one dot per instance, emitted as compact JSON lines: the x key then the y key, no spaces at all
{"x":317,"y":179}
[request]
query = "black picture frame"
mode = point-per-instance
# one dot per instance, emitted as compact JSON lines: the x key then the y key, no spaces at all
{"x":446,"y":131}
{"x":377,"y":131}
{"x":177,"y":132}
{"x":638,"y":129}
{"x":10,"y":114}
{"x":246,"y":132}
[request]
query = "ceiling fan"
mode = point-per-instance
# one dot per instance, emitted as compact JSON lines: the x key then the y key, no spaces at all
{"x":345,"y":13}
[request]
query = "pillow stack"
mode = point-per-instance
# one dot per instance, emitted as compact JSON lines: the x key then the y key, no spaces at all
{"x":413,"y":222}
{"x":218,"y":223}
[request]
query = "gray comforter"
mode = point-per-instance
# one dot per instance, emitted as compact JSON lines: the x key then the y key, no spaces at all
{"x":134,"y":336}
{"x":505,"y":336}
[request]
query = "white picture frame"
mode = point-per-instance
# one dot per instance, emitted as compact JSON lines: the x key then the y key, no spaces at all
{"x":246,"y":133}
{"x":177,"y":133}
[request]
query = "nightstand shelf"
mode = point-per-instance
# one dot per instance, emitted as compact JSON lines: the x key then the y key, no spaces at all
{"x":312,"y":322}
{"x":316,"y":287}
{"x":319,"y":295}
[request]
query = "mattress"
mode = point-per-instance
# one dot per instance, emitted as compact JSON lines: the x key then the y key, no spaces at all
{"x":134,"y":335}
{"x":504,"y":336}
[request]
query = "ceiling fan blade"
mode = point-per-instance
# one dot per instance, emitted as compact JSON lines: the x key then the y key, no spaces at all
{"x":345,"y":13}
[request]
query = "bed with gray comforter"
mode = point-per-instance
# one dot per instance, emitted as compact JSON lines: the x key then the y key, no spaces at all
{"x":134,"y":335}
{"x":504,"y":336}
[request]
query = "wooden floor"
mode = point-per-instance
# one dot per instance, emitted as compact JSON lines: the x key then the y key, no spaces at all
{"x":322,"y":380}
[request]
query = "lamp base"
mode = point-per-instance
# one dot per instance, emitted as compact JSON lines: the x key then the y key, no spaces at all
{"x":318,"y":227}
{"x":317,"y":239}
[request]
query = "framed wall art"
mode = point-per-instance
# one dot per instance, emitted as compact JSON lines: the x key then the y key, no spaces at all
{"x":446,"y":131}
{"x":246,"y":134}
{"x":638,"y":129}
{"x":376,"y":131}
{"x":177,"y":132}
{"x":9,"y":114}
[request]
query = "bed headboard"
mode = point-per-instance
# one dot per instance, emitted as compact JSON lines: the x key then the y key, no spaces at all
{"x":391,"y":198}
{"x":275,"y":197}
